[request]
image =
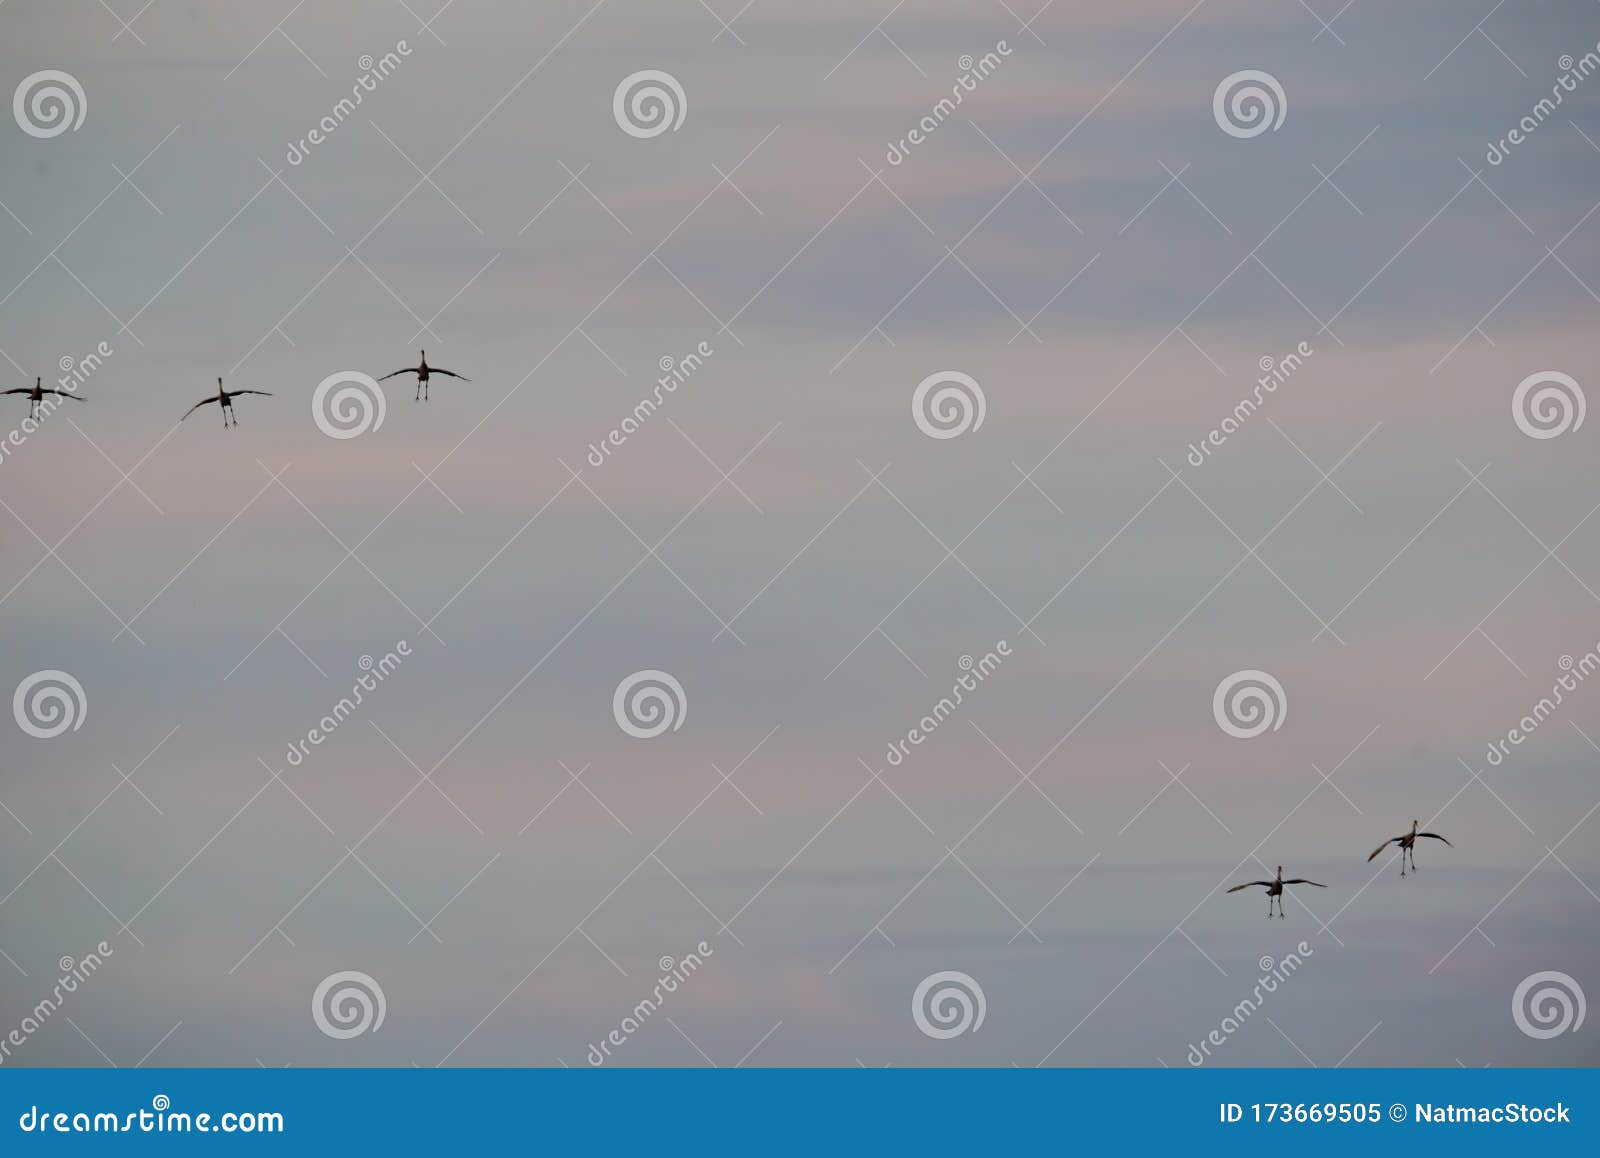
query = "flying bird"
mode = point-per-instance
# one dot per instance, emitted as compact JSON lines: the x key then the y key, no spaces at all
{"x":36,"y":394}
{"x":1275,"y":889}
{"x":1407,"y":842}
{"x":225,"y":397}
{"x":422,"y":370}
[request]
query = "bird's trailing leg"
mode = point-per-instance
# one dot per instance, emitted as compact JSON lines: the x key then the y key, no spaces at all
{"x":417,"y":397}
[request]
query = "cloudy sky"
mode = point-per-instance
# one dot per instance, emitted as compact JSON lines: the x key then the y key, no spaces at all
{"x":1108,"y":257}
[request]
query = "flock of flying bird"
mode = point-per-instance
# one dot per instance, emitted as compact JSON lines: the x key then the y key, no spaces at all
{"x":1275,"y":887}
{"x":1408,"y":846}
{"x":224,"y":398}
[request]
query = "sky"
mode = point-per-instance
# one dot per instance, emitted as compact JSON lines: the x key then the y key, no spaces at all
{"x":1108,"y":256}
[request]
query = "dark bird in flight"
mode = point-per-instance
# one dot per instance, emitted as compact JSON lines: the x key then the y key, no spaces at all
{"x":422,"y":370}
{"x":225,"y":397}
{"x":1275,"y":889}
{"x":36,"y":394}
{"x":1408,"y":844}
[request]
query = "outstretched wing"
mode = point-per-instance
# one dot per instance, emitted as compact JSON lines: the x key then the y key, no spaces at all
{"x":1303,"y":881}
{"x":1435,"y":836}
{"x":448,"y":373}
{"x":63,"y":394}
{"x":24,"y":390}
{"x":266,"y":392}
{"x":195,"y":407}
{"x":407,"y":370}
{"x":1248,"y":884}
{"x":1382,"y":846}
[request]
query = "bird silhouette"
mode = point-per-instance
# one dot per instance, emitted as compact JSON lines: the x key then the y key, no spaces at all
{"x":422,"y":370}
{"x":1408,"y":844}
{"x":1275,"y":889}
{"x":225,"y":397}
{"x":36,"y":394}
